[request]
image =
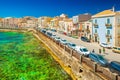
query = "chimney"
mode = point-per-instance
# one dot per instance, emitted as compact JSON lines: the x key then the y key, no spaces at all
{"x":113,"y":9}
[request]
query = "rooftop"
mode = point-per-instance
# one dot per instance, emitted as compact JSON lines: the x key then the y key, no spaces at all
{"x":104,"y":13}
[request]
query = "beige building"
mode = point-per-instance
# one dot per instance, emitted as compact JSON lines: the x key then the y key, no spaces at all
{"x":1,"y":22}
{"x":87,"y":29}
{"x":10,"y":22}
{"x":44,"y":22}
{"x":58,"y":22}
{"x":68,"y":24}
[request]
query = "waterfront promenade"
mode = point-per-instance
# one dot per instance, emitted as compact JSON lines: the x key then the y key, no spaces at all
{"x":73,"y":65}
{"x":111,"y":56}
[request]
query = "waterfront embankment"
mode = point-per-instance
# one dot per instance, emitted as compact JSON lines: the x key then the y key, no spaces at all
{"x":66,"y":68}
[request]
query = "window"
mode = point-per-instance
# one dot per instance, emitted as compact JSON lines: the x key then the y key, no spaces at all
{"x":87,"y":27}
{"x":95,"y":30}
{"x":108,"y":21}
{"x":108,"y":31}
{"x":95,"y":21}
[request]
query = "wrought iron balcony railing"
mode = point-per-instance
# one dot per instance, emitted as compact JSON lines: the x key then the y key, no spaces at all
{"x":95,"y":25}
{"x":95,"y":34}
{"x":108,"y":35}
{"x":108,"y":25}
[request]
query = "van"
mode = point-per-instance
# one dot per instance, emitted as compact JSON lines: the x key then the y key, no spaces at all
{"x":99,"y":59}
{"x":114,"y":66}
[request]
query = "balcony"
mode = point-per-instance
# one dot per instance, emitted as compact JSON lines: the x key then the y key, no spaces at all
{"x":108,"y":36}
{"x":108,"y":25}
{"x":95,"y":25}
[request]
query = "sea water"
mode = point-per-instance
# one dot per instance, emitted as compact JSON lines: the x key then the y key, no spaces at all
{"x":23,"y":57}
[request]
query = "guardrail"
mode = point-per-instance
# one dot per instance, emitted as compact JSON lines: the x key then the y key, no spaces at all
{"x":103,"y":71}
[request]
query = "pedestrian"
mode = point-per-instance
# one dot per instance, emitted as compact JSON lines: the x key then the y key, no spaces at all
{"x":100,"y":51}
{"x":103,"y":50}
{"x":93,"y":51}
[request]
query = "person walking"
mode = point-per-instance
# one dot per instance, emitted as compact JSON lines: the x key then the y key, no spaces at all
{"x":93,"y":51}
{"x":100,"y":51}
{"x":103,"y":50}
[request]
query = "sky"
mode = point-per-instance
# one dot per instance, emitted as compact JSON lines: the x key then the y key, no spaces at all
{"x":52,"y":8}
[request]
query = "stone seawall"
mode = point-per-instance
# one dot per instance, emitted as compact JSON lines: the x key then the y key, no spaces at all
{"x":82,"y":67}
{"x":65,"y":58}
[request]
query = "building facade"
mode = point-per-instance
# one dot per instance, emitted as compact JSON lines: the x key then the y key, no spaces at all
{"x":79,"y":24}
{"x":105,"y":27}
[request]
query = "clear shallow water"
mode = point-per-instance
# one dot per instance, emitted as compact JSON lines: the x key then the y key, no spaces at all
{"x":22,"y":57}
{"x":8,"y":37}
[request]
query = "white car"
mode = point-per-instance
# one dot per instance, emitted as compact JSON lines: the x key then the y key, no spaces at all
{"x":53,"y":36}
{"x":71,"y":45}
{"x":63,"y":41}
{"x":105,"y":45}
{"x":57,"y":38}
{"x":82,"y":50}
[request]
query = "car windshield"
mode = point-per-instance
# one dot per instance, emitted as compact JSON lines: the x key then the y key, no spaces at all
{"x":73,"y":45}
{"x":85,"y":38}
{"x":85,"y":50}
{"x":58,"y":37}
{"x":104,"y":43}
{"x":64,"y":40}
{"x":118,"y":48}
{"x":54,"y":35}
{"x":101,"y":58}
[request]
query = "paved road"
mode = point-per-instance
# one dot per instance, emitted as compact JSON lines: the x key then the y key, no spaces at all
{"x":111,"y":56}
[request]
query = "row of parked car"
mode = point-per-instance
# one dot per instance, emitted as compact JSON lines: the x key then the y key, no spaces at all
{"x":114,"y":66}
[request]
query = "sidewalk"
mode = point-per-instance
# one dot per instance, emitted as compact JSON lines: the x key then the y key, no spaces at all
{"x":111,"y":56}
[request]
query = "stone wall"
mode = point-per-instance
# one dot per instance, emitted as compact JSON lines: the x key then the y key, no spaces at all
{"x":82,"y":66}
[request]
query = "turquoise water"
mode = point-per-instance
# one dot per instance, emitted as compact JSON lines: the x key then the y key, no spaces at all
{"x":9,"y":37}
{"x":23,"y":57}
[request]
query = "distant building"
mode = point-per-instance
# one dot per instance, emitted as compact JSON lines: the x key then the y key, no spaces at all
{"x":79,"y":25}
{"x":10,"y":22}
{"x":44,"y":22}
{"x":58,"y":22}
{"x":106,"y":27}
{"x":87,"y":29}
{"x":68,"y":24}
{"x":1,"y":22}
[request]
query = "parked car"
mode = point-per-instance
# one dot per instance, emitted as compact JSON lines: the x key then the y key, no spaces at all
{"x":85,"y":39}
{"x":63,"y":41}
{"x":53,"y":30}
{"x":71,"y":45}
{"x":53,"y":36}
{"x":99,"y":59}
{"x":49,"y":34}
{"x":114,"y":66}
{"x":82,"y":50}
{"x":43,"y":31}
{"x":105,"y":45}
{"x":57,"y":38}
{"x":116,"y":49}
